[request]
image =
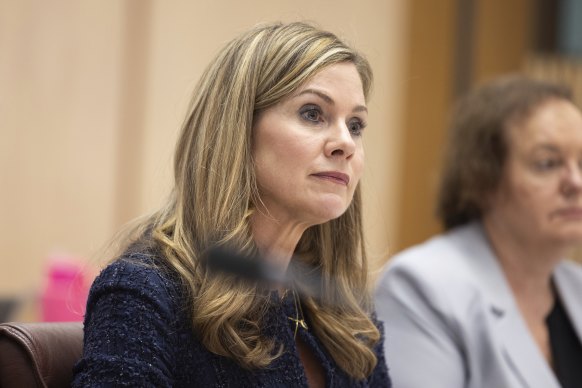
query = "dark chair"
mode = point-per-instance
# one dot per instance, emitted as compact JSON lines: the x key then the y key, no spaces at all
{"x":39,"y":354}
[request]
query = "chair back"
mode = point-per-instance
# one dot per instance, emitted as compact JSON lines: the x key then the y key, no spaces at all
{"x":39,"y":354}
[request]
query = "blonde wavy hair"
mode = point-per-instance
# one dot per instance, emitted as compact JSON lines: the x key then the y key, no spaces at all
{"x":215,"y":194}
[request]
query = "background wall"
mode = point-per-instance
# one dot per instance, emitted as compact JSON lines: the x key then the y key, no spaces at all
{"x":92,"y":94}
{"x":60,"y":96}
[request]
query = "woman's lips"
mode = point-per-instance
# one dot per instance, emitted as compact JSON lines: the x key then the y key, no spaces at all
{"x":572,"y":212}
{"x":334,"y":176}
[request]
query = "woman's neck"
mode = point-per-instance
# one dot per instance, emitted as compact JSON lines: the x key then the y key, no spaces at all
{"x":527,"y":264}
{"x":276,"y":239}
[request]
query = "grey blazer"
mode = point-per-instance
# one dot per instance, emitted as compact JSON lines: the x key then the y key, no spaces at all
{"x":451,"y":320}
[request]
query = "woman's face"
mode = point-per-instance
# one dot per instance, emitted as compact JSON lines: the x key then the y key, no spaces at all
{"x":540,"y":193}
{"x":308,"y":148}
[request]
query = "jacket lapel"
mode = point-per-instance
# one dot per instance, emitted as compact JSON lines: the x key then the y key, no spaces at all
{"x":568,"y":281}
{"x":522,"y":354}
{"x":518,"y":347}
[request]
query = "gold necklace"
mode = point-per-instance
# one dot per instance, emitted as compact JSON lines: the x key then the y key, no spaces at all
{"x":298,"y":309}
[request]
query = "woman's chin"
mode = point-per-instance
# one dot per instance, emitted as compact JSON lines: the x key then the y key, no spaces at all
{"x":574,"y":239}
{"x":329,"y":211}
{"x":569,"y":238}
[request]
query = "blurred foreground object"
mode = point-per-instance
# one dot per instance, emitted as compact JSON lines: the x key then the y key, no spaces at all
{"x":65,"y":294}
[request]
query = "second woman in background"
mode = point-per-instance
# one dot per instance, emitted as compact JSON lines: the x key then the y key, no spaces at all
{"x":492,"y":302}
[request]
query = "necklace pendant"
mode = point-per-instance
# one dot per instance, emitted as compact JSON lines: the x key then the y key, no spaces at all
{"x":299,"y":322}
{"x":302,"y":323}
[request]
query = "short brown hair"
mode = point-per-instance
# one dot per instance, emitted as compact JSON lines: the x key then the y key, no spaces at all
{"x":477,"y":143}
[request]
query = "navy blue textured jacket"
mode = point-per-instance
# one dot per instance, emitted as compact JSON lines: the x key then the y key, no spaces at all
{"x":138,"y":333}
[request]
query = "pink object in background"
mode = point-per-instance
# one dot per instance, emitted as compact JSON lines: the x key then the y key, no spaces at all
{"x":65,"y":294}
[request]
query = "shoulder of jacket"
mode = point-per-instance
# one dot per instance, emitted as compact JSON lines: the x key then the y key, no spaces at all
{"x":441,"y":264}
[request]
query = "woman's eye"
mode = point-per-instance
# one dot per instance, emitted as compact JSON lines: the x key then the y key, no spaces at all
{"x":311,"y":113}
{"x":356,"y":127}
{"x":547,"y":164}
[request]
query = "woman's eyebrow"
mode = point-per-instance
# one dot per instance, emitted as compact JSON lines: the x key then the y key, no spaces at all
{"x":546,"y":147}
{"x":329,"y":100}
{"x":319,"y":93}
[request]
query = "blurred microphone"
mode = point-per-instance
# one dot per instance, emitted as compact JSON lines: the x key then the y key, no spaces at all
{"x":260,"y":270}
{"x":229,"y":261}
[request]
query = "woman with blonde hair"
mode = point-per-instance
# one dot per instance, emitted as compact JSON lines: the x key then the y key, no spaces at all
{"x":267,"y":164}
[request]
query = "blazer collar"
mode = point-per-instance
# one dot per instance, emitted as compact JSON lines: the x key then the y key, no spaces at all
{"x":568,"y":281}
{"x":518,"y":347}
{"x":486,"y":268}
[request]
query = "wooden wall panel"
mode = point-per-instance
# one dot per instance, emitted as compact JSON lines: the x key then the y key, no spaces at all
{"x":429,"y":90}
{"x":502,"y":37}
{"x":454,"y":44}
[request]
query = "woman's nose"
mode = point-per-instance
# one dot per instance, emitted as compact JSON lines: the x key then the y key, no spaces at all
{"x":573,"y":182}
{"x":341,"y":142}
